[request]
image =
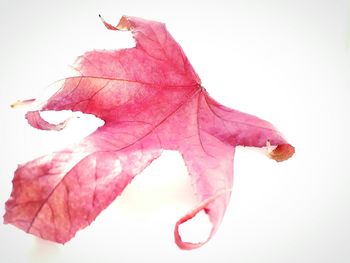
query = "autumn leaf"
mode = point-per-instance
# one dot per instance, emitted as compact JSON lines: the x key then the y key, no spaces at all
{"x":150,"y":99}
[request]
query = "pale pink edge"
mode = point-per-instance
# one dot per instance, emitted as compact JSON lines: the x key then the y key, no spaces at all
{"x":188,"y":245}
{"x":35,"y":120}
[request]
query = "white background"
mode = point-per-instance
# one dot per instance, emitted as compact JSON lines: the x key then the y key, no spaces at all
{"x":285,"y":61}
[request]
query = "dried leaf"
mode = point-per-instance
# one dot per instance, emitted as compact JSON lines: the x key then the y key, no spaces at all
{"x":150,"y":99}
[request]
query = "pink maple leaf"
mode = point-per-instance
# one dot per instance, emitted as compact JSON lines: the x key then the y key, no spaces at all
{"x":150,"y":99}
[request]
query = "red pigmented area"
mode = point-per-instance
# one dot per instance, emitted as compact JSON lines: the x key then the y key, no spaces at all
{"x":150,"y":99}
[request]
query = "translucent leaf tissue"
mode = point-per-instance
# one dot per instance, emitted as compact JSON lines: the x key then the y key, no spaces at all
{"x":150,"y":99}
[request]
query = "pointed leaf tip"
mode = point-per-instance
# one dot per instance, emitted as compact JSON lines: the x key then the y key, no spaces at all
{"x":123,"y":25}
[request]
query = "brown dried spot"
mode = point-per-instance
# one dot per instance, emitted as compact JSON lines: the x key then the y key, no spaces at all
{"x":282,"y":152}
